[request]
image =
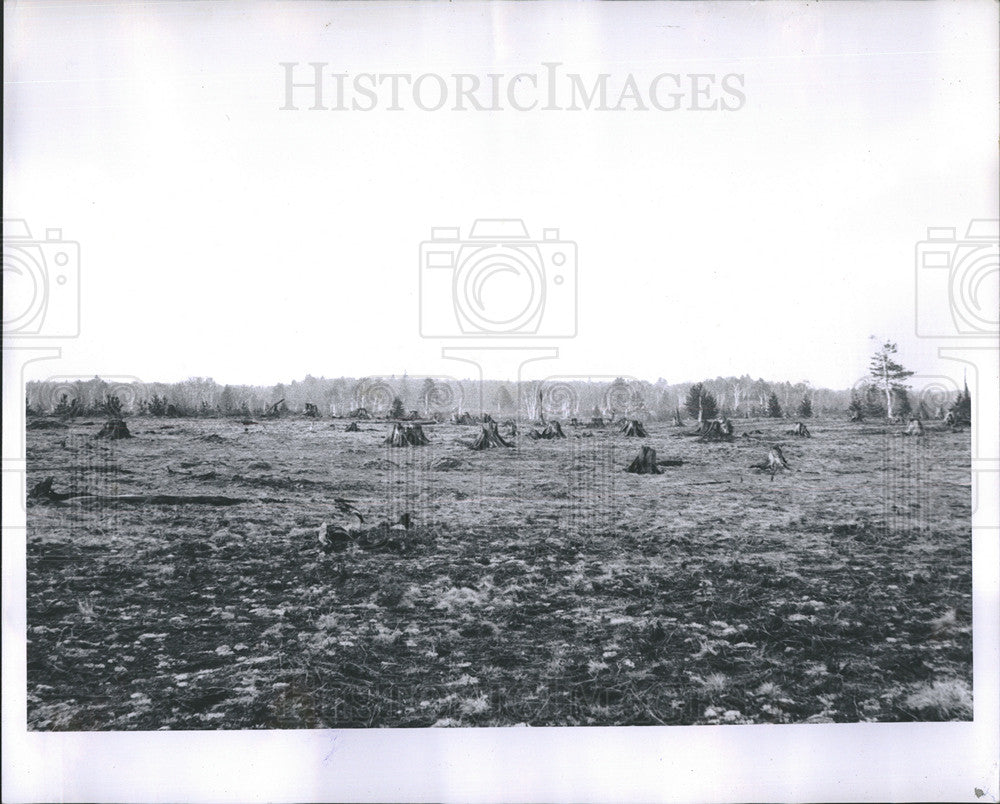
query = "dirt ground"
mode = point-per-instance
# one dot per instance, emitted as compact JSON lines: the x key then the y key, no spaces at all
{"x":540,"y":585}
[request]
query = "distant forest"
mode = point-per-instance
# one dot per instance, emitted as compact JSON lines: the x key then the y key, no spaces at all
{"x":440,"y":397}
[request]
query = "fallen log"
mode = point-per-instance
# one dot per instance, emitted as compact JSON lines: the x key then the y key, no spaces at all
{"x":45,"y":424}
{"x":43,"y":492}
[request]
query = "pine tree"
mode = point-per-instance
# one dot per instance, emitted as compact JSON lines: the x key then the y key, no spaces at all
{"x":962,"y":406}
{"x":397,"y":411}
{"x":901,"y":402}
{"x":857,"y":407}
{"x":888,"y":374}
{"x":773,"y":406}
{"x":700,"y":403}
{"x":806,"y":408}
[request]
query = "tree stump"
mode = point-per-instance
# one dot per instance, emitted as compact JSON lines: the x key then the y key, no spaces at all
{"x":352,"y":428}
{"x":274,"y":411}
{"x":915,"y":428}
{"x":632,"y":427}
{"x":800,"y":430}
{"x":644,"y":463}
{"x":114,"y":429}
{"x":714,"y":431}
{"x":775,"y":462}
{"x":489,"y":438}
{"x":552,"y":430}
{"x":407,"y":436}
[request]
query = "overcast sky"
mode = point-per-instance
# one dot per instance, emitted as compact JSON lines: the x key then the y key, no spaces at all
{"x":221,"y":236}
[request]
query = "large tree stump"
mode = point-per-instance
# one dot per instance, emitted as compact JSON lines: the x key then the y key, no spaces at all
{"x":275,"y":410}
{"x":114,"y":429}
{"x":311,"y":411}
{"x":714,"y":430}
{"x":644,"y":463}
{"x":552,"y":430}
{"x":915,"y":428}
{"x":800,"y":430}
{"x":489,"y":438}
{"x":632,"y":427}
{"x":407,"y":436}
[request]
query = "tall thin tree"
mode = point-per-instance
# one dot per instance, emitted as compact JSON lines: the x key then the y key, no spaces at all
{"x":889,"y":376}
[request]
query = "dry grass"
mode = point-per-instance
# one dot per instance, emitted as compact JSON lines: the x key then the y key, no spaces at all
{"x":541,"y":585}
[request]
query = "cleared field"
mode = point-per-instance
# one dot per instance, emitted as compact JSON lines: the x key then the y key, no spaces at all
{"x":540,"y":585}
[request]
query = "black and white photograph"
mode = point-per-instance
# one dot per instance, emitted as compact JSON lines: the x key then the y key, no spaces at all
{"x":497,"y":401}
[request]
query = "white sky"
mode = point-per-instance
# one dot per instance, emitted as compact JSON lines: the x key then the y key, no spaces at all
{"x":222,"y":237}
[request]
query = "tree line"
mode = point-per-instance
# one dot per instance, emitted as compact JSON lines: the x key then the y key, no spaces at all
{"x":883,"y":393}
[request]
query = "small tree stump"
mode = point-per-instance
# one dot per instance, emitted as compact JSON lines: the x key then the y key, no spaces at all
{"x":775,"y":462}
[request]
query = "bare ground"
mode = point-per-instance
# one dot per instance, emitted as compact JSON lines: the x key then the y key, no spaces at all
{"x":539,"y":586}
